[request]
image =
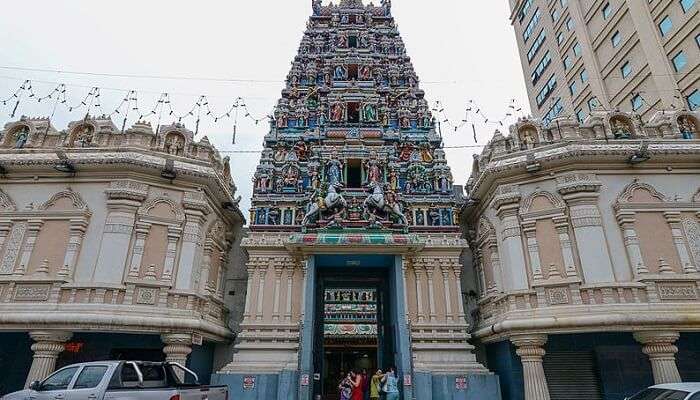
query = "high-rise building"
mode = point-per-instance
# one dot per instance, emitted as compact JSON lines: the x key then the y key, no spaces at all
{"x":355,"y":253}
{"x":629,"y":55}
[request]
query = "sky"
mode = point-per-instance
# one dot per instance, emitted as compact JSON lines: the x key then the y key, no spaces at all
{"x":462,"y":50}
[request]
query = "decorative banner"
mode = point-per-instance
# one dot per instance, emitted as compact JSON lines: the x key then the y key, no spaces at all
{"x":461,"y":383}
{"x":249,"y":383}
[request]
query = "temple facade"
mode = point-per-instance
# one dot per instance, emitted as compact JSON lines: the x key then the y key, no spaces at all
{"x":355,"y":250}
{"x":114,"y":244}
{"x":586,"y":243}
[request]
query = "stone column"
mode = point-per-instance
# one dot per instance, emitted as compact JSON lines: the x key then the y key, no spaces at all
{"x":674,"y":221}
{"x":531,"y":351}
{"x":33,"y":228}
{"x":47,"y":346}
{"x":634,"y":251}
{"x":458,"y":281}
{"x":174,"y":234}
{"x":562,"y":227}
{"x":142,"y":230}
{"x":290,"y":281}
{"x":660,"y":348}
{"x":261,"y":292}
{"x":445,"y":269}
{"x":177,"y":347}
{"x":75,"y":240}
{"x":481,"y":274}
{"x":533,"y":249}
{"x":249,"y":290}
{"x":279,"y":269}
{"x":429,"y":270}
{"x":417,"y":270}
{"x":514,"y":269}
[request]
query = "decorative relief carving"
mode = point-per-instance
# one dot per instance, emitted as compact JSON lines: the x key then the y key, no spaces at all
{"x":586,"y":215}
{"x":505,"y":195}
{"x":677,"y":291}
{"x":627,"y":194}
{"x":558,"y":296}
{"x":573,"y":183}
{"x":150,"y":204}
{"x":118,"y":228}
{"x":32,"y":292}
{"x":146,"y":296}
{"x":196,"y":201}
{"x":692,"y":232}
{"x":127,"y":189}
{"x":74,"y":197}
{"x":12,"y":248}
{"x":6,"y":203}
{"x":557,"y":202}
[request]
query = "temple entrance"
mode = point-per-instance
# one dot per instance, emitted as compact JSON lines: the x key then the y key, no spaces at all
{"x":354,"y":326}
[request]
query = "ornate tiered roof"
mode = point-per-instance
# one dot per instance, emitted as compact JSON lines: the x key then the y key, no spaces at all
{"x":353,"y":143}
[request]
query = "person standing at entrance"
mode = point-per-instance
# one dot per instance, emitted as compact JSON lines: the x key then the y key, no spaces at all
{"x":345,"y":387}
{"x":390,"y":384}
{"x":356,"y":387}
{"x":365,"y":385}
{"x":375,"y":384}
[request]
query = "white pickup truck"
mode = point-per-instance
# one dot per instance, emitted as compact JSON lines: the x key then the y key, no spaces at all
{"x":120,"y":380}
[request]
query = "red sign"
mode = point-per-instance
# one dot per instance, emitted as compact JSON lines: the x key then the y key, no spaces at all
{"x":249,"y":383}
{"x":407,"y":380}
{"x":461,"y":383}
{"x":74,"y":347}
{"x":305,"y":380}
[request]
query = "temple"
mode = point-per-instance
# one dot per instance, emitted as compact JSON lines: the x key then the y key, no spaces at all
{"x":355,"y":251}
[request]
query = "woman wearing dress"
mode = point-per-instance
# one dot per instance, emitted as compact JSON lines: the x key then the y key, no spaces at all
{"x":390,"y":384}
{"x":357,"y":387}
{"x":345,"y":387}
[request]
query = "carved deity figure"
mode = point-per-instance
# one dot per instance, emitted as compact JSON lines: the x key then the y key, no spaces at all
{"x":174,"y":145}
{"x":280,"y":153}
{"x":338,"y":112}
{"x":291,"y":176}
{"x":340,"y":73}
{"x":621,"y":130}
{"x":263,"y":182}
{"x":426,"y":153}
{"x":315,"y":178}
{"x":281,"y":119}
{"x":84,"y":136}
{"x":393,"y":180}
{"x":342,"y":40}
{"x":528,"y":139}
{"x":406,"y":149}
{"x":22,"y":137}
{"x":365,"y":73}
{"x":373,"y":169}
{"x":404,"y":118}
{"x":302,"y":150}
{"x":369,"y":113}
{"x":687,"y":128}
{"x":335,"y":171}
{"x":316,"y":7}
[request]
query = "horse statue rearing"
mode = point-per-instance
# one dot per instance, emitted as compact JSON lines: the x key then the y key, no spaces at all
{"x":377,"y":202}
{"x":333,"y":202}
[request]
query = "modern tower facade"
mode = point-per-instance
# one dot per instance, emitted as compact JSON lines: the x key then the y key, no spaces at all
{"x":355,"y":253}
{"x":627,"y":55}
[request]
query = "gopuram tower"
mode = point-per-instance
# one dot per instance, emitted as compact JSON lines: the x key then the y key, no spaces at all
{"x":355,"y":254}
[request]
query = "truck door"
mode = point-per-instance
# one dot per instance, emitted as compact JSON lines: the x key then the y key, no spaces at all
{"x":90,"y":383}
{"x":55,"y":386}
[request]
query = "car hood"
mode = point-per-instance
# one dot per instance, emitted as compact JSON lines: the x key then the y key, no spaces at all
{"x":21,"y":395}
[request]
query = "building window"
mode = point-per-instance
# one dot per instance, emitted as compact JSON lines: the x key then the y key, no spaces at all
{"x":553,"y":112}
{"x":686,"y":4}
{"x":680,"y":61}
{"x":546,"y":90}
{"x":694,"y":100}
{"x":577,"y":49}
{"x":540,"y":68}
{"x":567,"y":62}
{"x":573,"y":88}
{"x":560,"y":37}
{"x":524,"y":10}
{"x":637,"y":102}
{"x":697,"y":40}
{"x":616,"y":39}
{"x":555,"y":15}
{"x":536,"y":46}
{"x":626,"y":69}
{"x":580,"y":115}
{"x":584,"y":76}
{"x":532,"y":25}
{"x":665,"y":26}
{"x":593,"y":103}
{"x":563,"y":2}
{"x":569,"y":24}
{"x":607,"y":10}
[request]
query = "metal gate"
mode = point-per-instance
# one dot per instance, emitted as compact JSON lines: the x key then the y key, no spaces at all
{"x":572,"y":375}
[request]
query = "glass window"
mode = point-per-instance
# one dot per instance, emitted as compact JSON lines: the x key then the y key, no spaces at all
{"x":532,"y":25}
{"x":666,"y":25}
{"x":563,"y":2}
{"x":680,"y":61}
{"x":573,"y":88}
{"x":607,"y":10}
{"x":694,"y":100}
{"x":560,"y":37}
{"x":637,"y":102}
{"x":584,"y":76}
{"x":540,"y":68}
{"x":90,"y":377}
{"x":581,"y":115}
{"x":59,"y":380}
{"x":553,"y":112}
{"x":686,"y":4}
{"x":555,"y":15}
{"x":546,"y":90}
{"x":536,"y":46}
{"x":616,"y":39}
{"x":593,"y":103}
{"x":567,"y":62}
{"x":524,"y":10}
{"x":697,"y":40}
{"x":577,"y":49}
{"x":695,"y":397}
{"x":569,"y":24}
{"x":626,"y":69}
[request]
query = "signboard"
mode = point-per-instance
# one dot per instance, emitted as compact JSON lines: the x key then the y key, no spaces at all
{"x":305,"y":380}
{"x":407,"y":380}
{"x":461,"y":383}
{"x":249,"y":383}
{"x":197,"y":339}
{"x":317,"y":377}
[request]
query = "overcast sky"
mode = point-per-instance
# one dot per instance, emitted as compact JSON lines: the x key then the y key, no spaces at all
{"x":461,"y":49}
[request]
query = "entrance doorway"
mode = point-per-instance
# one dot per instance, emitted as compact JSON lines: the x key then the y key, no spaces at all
{"x":354,"y":329}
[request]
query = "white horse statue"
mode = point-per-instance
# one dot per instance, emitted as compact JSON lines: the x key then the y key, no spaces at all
{"x":333,"y":201}
{"x":376,"y":202}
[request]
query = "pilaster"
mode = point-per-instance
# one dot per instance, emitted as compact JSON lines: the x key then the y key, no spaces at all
{"x":674,"y":221}
{"x":634,"y":252}
{"x":33,"y":228}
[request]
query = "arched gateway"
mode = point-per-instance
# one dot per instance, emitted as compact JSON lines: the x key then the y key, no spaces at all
{"x":354,"y":247}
